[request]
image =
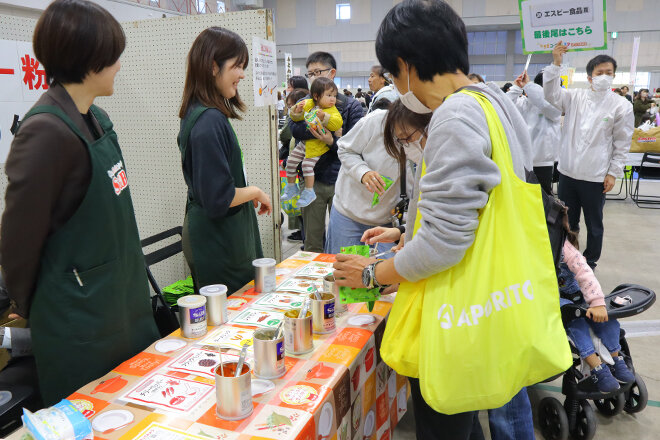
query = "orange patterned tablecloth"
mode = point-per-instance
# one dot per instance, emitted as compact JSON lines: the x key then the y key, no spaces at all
{"x":341,"y":390}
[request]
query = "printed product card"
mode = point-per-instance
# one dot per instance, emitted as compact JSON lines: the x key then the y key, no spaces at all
{"x":315,"y":269}
{"x":156,"y":431}
{"x":302,"y":255}
{"x":170,"y":393}
{"x":258,"y":318}
{"x":229,"y":337}
{"x":297,"y":285}
{"x":200,"y":362}
{"x":284,"y":301}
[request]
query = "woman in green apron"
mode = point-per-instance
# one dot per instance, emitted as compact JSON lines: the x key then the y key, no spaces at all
{"x":70,"y":250}
{"x":220,"y":231}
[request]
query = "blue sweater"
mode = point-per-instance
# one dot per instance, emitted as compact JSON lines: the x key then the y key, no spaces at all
{"x":327,"y":168}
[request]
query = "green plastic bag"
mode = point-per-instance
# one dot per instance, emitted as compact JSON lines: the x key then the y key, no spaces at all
{"x":362,"y":294}
{"x":177,"y":290}
{"x":388,"y":183}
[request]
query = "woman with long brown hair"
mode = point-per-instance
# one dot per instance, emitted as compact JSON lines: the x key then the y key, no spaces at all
{"x":220,"y":232}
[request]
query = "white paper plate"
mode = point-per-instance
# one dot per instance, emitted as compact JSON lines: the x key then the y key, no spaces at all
{"x":369,"y":424}
{"x":361,"y":320}
{"x":280,"y":271}
{"x":170,"y":345}
{"x":112,"y":420}
{"x":261,"y":386}
{"x":325,"y":419}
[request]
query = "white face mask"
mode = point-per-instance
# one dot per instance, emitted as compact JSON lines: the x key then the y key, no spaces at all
{"x":602,"y":83}
{"x":410,"y":100}
{"x":414,"y":151}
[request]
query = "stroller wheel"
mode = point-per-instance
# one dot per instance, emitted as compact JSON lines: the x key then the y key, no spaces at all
{"x":552,"y":419}
{"x":585,"y":422}
{"x":612,"y":406}
{"x":637,"y":397}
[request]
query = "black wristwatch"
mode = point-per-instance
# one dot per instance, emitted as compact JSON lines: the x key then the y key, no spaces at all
{"x":369,"y":276}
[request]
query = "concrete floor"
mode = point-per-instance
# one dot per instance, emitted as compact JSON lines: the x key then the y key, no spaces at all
{"x":631,"y":252}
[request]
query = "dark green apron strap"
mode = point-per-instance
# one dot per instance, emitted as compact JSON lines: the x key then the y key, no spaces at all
{"x":60,"y":114}
{"x":102,"y":119}
{"x":191,"y":120}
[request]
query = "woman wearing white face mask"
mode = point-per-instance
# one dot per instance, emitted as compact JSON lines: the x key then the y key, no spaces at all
{"x":595,"y":138}
{"x":364,"y":162}
{"x":404,"y":137}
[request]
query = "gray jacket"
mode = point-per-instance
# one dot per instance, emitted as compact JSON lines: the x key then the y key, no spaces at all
{"x":459,"y":177}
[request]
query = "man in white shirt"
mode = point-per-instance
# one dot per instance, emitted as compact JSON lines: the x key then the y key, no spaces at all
{"x":544,"y":124}
{"x":596,"y":135}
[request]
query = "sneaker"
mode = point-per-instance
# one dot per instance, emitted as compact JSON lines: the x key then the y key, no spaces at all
{"x":295,"y":236}
{"x":605,"y":382}
{"x":307,"y":196}
{"x":621,"y":371}
{"x":290,"y":191}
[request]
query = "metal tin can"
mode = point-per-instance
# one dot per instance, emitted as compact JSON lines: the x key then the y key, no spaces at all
{"x":192,"y":312}
{"x":216,"y":303}
{"x":330,"y":286}
{"x":233,"y":394}
{"x":298,"y":332}
{"x":264,"y":275}
{"x":268,"y":354}
{"x":323,"y":313}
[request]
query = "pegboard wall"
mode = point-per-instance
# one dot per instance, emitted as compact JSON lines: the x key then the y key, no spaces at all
{"x":144,"y":110}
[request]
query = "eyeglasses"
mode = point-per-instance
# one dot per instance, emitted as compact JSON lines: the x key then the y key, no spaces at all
{"x":408,"y":139}
{"x":315,"y":73}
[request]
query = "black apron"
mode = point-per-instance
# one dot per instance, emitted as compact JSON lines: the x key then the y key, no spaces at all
{"x":219,"y":250}
{"x":91,"y":309}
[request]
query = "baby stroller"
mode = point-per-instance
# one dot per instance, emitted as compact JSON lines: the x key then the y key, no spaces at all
{"x":576,"y":416}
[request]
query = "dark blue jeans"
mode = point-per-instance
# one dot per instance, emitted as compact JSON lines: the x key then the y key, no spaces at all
{"x":513,"y":421}
{"x":578,"y":330}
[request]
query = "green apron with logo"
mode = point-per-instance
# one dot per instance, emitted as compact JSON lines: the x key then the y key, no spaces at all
{"x":91,"y":309}
{"x":219,"y":250}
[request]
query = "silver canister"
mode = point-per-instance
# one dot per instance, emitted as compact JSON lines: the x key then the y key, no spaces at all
{"x":264,"y":275}
{"x":298,"y":332}
{"x":330,"y":286}
{"x":268,"y":354}
{"x":216,"y":303}
{"x":233,"y":394}
{"x":323,"y":313}
{"x":192,"y":315}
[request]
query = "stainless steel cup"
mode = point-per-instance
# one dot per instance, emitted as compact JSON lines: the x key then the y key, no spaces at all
{"x":192,"y":316}
{"x":330,"y":286}
{"x":216,"y":303}
{"x":264,"y":275}
{"x":298,"y":332}
{"x":323,"y":313}
{"x":233,"y":394}
{"x":268,"y":354}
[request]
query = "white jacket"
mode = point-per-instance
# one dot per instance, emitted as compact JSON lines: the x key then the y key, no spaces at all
{"x":597,"y":130}
{"x":543,"y":121}
{"x":385,"y":92}
{"x":360,"y":151}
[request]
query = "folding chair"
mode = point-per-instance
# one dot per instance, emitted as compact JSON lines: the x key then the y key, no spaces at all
{"x":163,"y":314}
{"x":627,"y":173}
{"x":649,"y":169}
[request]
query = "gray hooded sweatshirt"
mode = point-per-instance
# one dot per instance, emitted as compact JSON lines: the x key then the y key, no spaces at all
{"x":459,"y":177}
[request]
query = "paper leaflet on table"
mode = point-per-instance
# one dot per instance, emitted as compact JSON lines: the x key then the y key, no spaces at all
{"x":169,"y":393}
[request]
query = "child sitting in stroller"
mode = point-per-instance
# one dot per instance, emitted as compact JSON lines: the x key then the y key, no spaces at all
{"x":575,"y":276}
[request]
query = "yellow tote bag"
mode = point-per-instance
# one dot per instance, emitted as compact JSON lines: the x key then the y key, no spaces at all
{"x":491,"y":324}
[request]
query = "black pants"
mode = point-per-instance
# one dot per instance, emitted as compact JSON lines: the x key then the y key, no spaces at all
{"x":589,"y":197}
{"x":432,"y":425}
{"x":544,"y":174}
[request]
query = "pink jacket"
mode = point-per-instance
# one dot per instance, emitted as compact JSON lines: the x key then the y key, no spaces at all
{"x":589,"y":285}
